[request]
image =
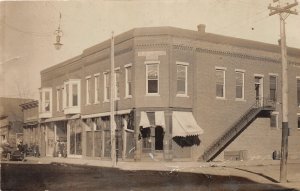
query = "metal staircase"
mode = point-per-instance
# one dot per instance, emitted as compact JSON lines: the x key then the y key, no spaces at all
{"x":261,"y":105}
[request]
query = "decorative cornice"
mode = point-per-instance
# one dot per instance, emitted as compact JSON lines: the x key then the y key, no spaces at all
{"x":154,"y":45}
{"x":183,"y":47}
{"x":237,"y":55}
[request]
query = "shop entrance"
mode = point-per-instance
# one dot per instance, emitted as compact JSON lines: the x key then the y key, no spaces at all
{"x":75,"y":139}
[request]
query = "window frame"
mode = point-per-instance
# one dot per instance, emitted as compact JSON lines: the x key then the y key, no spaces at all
{"x":127,"y":68}
{"x":148,"y":63}
{"x":43,"y":92}
{"x":240,"y":71}
{"x":97,"y":88}
{"x":70,"y":84}
{"x":185,"y":65}
{"x":106,"y":76}
{"x":223,"y":69}
{"x":276,"y":85}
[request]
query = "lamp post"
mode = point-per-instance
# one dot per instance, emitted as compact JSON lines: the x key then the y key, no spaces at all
{"x":58,"y":32}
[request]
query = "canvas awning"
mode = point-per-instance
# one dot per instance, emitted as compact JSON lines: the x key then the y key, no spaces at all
{"x":184,"y":124}
{"x":159,"y":119}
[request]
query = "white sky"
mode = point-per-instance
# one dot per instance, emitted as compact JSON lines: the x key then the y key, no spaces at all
{"x":27,"y":29}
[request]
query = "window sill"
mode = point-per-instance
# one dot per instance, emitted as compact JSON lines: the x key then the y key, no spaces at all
{"x":182,"y":95}
{"x":128,"y":97}
{"x":153,"y":95}
{"x":240,"y":99}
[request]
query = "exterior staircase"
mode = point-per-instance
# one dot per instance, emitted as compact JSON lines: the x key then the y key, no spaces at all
{"x":259,"y":107}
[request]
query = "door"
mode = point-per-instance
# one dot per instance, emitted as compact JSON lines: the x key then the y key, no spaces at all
{"x":259,"y":90}
{"x":75,"y":139}
{"x":50,"y":140}
{"x":159,"y":138}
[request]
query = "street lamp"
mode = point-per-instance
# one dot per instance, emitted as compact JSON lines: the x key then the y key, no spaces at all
{"x":58,"y":32}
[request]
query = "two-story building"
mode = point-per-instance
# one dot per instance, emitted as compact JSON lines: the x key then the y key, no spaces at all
{"x":180,"y":95}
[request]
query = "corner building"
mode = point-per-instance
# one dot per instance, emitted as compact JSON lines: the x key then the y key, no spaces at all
{"x":180,"y":95}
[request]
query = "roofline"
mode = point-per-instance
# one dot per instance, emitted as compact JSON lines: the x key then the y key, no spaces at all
{"x":177,"y":32}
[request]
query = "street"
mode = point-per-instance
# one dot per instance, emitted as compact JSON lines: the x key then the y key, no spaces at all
{"x":58,"y":176}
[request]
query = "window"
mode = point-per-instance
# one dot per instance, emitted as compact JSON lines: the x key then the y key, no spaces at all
{"x":45,"y":102}
{"x":97,"y":88}
{"x":57,"y":99}
{"x":117,"y":84}
{"x":106,"y":87}
{"x":298,"y":91}
{"x":220,"y":83}
{"x":274,"y":120}
{"x":128,"y":80}
{"x":182,"y":78}
{"x":273,"y":88}
{"x":152,"y":78}
{"x":74,"y":95}
{"x":239,"y":84}
{"x":71,"y":96}
{"x":88,"y":90}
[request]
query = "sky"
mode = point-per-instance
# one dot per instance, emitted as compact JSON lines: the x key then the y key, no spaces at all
{"x":27,"y":29}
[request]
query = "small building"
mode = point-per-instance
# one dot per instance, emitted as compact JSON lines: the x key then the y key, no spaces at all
{"x":11,"y":120}
{"x":180,"y":95}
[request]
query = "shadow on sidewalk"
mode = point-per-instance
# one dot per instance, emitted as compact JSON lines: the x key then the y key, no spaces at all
{"x":81,"y":177}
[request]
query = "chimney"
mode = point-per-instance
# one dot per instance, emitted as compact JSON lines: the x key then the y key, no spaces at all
{"x":201,"y":28}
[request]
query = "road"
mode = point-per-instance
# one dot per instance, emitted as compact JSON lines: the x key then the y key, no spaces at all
{"x":56,"y":176}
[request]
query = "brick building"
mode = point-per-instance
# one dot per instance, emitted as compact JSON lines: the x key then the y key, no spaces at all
{"x":180,"y":95}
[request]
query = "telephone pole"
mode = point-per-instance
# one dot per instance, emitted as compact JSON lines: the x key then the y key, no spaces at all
{"x":283,"y":11}
{"x":112,"y":102}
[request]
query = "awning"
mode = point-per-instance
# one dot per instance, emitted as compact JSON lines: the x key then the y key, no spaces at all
{"x":144,"y":122}
{"x":159,"y":119}
{"x":184,"y":124}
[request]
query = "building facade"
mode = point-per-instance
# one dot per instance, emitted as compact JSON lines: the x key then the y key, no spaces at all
{"x":178,"y":93}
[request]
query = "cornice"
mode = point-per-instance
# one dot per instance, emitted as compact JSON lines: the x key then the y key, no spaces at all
{"x":152,"y":45}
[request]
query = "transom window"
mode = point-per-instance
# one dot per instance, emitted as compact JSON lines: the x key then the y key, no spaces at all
{"x":152,"y":75}
{"x":220,"y":83}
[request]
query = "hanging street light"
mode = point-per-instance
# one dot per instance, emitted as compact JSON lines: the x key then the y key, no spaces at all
{"x":58,"y":32}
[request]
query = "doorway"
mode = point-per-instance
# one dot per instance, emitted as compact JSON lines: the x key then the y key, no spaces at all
{"x":159,"y":138}
{"x":75,"y":138}
{"x":258,"y":84}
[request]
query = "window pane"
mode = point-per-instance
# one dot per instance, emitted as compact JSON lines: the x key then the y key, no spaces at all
{"x":239,"y":92}
{"x":219,"y":90}
{"x":152,"y":71}
{"x":152,"y":86}
{"x":299,"y":122}
{"x":47,"y":101}
{"x":273,"y":87}
{"x":181,"y":79}
{"x":75,"y":94}
{"x":220,"y":83}
{"x":239,"y":81}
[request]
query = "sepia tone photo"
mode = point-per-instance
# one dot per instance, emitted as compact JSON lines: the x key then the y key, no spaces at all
{"x":150,"y":95}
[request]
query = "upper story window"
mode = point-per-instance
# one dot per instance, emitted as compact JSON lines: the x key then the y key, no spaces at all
{"x":239,"y":84}
{"x":152,"y":78}
{"x":128,"y":80}
{"x":97,"y":88}
{"x":88,"y":89}
{"x":46,"y":100}
{"x":273,"y":87}
{"x":182,"y":78}
{"x":298,"y":118}
{"x":298,"y":91}
{"x":71,"y":94}
{"x":58,"y":92}
{"x":106,"y":87}
{"x":220,"y":82}
{"x":117,"y":83}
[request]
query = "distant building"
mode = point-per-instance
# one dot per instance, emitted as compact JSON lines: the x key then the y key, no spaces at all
{"x":11,"y":120}
{"x":180,"y":95}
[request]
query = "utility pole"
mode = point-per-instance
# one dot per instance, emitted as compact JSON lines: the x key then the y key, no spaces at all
{"x":112,"y":102}
{"x":283,"y":11}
